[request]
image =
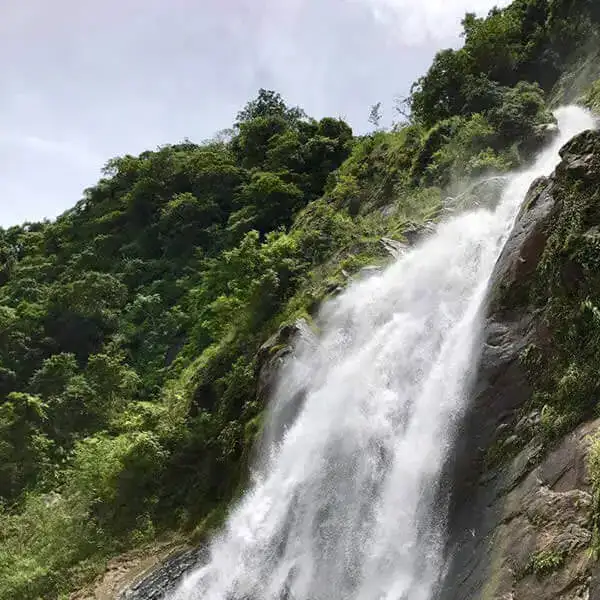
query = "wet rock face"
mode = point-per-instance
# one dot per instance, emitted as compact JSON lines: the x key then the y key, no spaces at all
{"x":583,"y":146}
{"x":520,"y":522}
{"x":163,"y":579}
{"x":273,"y":353}
{"x":532,"y":531}
{"x":522,"y":253}
{"x":484,"y":193}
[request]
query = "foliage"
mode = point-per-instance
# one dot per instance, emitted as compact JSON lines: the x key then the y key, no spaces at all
{"x":593,"y":468}
{"x":592,"y":97}
{"x":546,"y":562}
{"x":128,"y":331}
{"x":529,"y":40}
{"x":566,"y":288}
{"x":495,"y":139}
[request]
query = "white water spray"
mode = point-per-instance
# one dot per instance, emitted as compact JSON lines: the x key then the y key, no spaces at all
{"x":344,"y":507}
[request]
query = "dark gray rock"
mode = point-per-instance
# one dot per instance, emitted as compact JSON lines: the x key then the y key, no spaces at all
{"x":273,"y":353}
{"x":164,"y":578}
{"x":521,"y":254}
{"x":483,"y":193}
{"x":529,"y":529}
{"x":415,"y":232}
{"x":528,"y":423}
{"x":594,"y":591}
{"x":393,"y":247}
{"x":581,"y":157}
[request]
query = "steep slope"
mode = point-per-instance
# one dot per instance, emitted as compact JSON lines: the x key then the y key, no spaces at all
{"x":525,"y":478}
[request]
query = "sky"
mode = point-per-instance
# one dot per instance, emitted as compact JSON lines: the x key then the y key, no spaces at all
{"x":82,"y":81}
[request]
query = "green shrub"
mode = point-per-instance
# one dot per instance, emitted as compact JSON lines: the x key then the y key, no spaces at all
{"x":545,"y":562}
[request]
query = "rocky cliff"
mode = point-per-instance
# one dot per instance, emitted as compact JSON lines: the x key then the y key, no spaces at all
{"x":524,"y":506}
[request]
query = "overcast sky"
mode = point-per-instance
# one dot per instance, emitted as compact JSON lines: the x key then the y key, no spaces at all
{"x":84,"y":80}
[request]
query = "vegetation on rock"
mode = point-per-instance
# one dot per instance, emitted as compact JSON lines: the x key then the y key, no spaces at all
{"x":545,"y":562}
{"x":562,"y":292}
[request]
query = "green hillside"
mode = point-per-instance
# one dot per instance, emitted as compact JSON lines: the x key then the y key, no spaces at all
{"x":130,"y":326}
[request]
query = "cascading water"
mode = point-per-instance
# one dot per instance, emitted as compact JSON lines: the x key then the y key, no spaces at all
{"x":345,"y":503}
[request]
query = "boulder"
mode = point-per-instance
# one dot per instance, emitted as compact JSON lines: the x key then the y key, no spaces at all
{"x":413,"y":233}
{"x":483,"y":193}
{"x":162,"y":579}
{"x":272,"y":354}
{"x":393,"y":247}
{"x":366,"y":272}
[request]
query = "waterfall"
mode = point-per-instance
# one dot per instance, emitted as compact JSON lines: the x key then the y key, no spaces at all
{"x":345,"y":504}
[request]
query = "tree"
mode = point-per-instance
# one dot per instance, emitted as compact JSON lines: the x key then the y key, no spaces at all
{"x":522,"y":110}
{"x":402,"y":107}
{"x":52,"y":378}
{"x":439,"y":94}
{"x":375,"y":115}
{"x":255,"y":137}
{"x":266,"y":203}
{"x":25,"y":452}
{"x":112,"y":383}
{"x":493,"y":44}
{"x":268,"y":104}
{"x":187,"y":222}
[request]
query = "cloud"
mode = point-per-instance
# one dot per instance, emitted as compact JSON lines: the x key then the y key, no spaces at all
{"x":70,"y":150}
{"x":416,"y":22}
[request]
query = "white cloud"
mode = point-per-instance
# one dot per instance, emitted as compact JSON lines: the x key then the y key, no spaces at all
{"x":72,"y":151}
{"x":416,"y":22}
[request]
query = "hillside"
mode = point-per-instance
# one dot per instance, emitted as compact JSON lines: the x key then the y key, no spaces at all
{"x":131,"y":325}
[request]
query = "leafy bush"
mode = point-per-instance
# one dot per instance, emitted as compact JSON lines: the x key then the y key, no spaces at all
{"x":545,"y":562}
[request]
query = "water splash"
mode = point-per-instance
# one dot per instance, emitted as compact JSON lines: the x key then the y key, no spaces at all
{"x":345,"y":505}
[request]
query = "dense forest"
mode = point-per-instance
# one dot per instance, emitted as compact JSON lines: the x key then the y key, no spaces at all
{"x":130,"y":326}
